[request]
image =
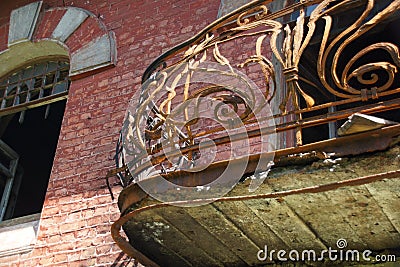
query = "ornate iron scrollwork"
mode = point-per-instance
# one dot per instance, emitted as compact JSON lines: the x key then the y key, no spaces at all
{"x":340,"y":68}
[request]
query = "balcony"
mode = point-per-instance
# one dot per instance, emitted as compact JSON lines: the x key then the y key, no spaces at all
{"x":274,"y":128}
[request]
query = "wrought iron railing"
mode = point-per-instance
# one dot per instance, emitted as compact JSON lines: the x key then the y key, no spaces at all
{"x":259,"y":75}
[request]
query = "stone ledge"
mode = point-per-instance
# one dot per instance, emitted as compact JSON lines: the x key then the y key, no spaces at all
{"x":18,"y":235}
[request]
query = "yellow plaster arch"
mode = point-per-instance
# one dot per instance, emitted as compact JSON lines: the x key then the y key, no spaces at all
{"x":18,"y":55}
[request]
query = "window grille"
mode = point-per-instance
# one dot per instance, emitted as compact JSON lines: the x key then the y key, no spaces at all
{"x":34,"y":85}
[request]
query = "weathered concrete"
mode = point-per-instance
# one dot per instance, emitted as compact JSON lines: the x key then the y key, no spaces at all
{"x":96,"y":54}
{"x":23,"y":22}
{"x":231,"y":233}
{"x":19,"y":235}
{"x":71,"y":20}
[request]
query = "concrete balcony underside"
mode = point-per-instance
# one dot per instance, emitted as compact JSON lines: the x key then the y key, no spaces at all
{"x":231,"y":232}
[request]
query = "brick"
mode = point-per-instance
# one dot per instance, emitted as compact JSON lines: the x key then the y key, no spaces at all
{"x":48,"y":260}
{"x":60,"y":258}
{"x":85,"y":233}
{"x":88,"y":253}
{"x":73,"y":226}
{"x":54,"y":239}
{"x":103,"y":249}
{"x":48,"y":23}
{"x":88,"y":31}
{"x":104,"y":260}
{"x":75,"y":263}
{"x":78,"y":210}
{"x":65,"y":247}
{"x":103,"y":229}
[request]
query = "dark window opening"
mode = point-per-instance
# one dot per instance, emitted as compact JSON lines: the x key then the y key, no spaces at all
{"x":35,"y":141}
{"x":311,"y":83}
{"x":31,"y":135}
{"x":315,"y":133}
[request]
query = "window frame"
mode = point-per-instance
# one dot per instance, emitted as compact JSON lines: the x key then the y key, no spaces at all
{"x":33,"y":76}
{"x":41,"y":100}
{"x":10,"y":174}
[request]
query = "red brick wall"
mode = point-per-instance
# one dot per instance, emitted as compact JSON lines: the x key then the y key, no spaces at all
{"x":78,"y":211}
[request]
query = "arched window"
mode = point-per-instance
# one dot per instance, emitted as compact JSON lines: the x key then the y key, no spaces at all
{"x":34,"y":84}
{"x":31,"y":111}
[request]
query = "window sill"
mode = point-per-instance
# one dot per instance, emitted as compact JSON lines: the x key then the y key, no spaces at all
{"x":18,"y":235}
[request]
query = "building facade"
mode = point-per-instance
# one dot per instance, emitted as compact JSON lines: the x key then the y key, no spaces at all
{"x":106,"y":46}
{"x":71,"y":71}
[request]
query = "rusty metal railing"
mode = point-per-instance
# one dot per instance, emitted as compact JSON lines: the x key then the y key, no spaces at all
{"x":278,"y":73}
{"x":264,"y":80}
